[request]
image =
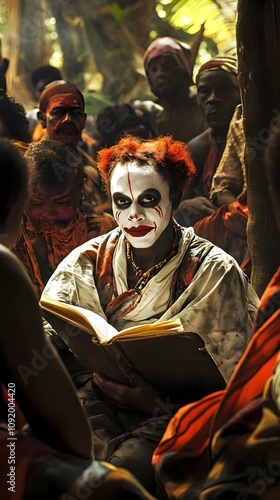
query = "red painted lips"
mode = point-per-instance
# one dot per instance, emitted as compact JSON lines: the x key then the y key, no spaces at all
{"x":139,"y":231}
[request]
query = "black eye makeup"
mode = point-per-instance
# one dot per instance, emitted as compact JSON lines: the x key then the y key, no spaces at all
{"x":149,"y":198}
{"x":121,"y":201}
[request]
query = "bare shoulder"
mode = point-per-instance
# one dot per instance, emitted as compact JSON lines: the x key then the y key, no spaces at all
{"x":16,"y":289}
{"x":9,"y":265}
{"x":201,"y":140}
{"x":20,"y":317}
{"x":199,"y":148}
{"x":12,"y":272}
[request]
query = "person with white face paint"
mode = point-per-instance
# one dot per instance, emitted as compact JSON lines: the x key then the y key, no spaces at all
{"x":149,"y":269}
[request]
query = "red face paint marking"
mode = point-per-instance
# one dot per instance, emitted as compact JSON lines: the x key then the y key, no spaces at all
{"x":118,"y":213}
{"x":159,"y":211}
{"x":129,"y":184}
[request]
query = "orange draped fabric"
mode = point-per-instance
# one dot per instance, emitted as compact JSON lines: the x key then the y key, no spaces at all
{"x":226,"y":228}
{"x":209,"y":169}
{"x":59,"y":242}
{"x":227,"y":221}
{"x":182,"y":460}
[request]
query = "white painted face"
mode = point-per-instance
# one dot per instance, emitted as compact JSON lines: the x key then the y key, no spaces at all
{"x":141,"y":203}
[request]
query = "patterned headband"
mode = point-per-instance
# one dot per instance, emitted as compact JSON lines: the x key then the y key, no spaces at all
{"x":225,"y":63}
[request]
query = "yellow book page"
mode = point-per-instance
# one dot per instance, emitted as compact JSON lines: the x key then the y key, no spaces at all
{"x":100,"y":328}
{"x":158,"y":328}
{"x":80,"y":317}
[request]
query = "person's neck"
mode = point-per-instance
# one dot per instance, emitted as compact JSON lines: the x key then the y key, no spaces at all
{"x":146,"y":258}
{"x":219,"y":138}
{"x":219,"y":134}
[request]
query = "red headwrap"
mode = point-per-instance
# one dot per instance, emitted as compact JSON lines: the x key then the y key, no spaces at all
{"x":225,"y":63}
{"x":59,"y":87}
{"x":167,"y":45}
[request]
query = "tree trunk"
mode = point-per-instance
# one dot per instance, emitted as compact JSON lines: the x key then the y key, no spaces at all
{"x":28,"y":48}
{"x":258,"y":48}
{"x":138,"y":19}
{"x":117,"y":50}
{"x":72,"y":40}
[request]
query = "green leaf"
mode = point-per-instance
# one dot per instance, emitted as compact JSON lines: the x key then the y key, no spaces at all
{"x":118,"y":13}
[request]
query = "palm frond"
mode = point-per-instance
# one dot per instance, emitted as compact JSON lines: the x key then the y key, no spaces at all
{"x":219,"y":17}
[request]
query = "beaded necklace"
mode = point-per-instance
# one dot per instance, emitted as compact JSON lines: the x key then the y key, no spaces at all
{"x":150,"y":273}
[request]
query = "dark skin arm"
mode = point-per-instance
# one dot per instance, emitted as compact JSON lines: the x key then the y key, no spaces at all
{"x":225,"y":198}
{"x":198,"y":148}
{"x":193,"y":210}
{"x":143,"y":397}
{"x":194,"y":207}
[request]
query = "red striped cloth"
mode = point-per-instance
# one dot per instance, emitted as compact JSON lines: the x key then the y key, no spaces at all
{"x":182,"y":458}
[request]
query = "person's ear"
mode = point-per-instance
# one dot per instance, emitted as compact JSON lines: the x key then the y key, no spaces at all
{"x":42,"y":118}
{"x":175,"y":199}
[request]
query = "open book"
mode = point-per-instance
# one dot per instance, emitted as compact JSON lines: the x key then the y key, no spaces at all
{"x":176,"y":362}
{"x":100,"y":329}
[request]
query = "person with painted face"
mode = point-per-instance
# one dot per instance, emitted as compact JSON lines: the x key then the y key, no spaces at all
{"x":148,"y":269}
{"x":56,"y":218}
{"x":62,"y":113}
{"x":61,"y":109}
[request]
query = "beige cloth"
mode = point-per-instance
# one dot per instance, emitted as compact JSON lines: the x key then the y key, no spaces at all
{"x":275,"y":384}
{"x":230,"y":174}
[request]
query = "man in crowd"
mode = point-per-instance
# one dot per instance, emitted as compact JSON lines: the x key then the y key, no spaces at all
{"x":227,"y":226}
{"x":56,"y":219}
{"x":217,"y":95}
{"x":168,"y":64}
{"x":62,"y":112}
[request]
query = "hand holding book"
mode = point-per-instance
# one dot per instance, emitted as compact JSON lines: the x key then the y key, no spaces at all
{"x":143,"y":397}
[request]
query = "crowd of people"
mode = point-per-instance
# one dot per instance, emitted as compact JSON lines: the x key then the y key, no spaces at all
{"x":141,"y":222}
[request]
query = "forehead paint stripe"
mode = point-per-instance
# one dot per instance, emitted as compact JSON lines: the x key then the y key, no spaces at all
{"x":64,"y":100}
{"x":159,"y":211}
{"x":129,"y":184}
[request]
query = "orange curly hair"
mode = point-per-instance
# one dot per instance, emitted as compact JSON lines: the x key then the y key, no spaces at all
{"x":170,"y":158}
